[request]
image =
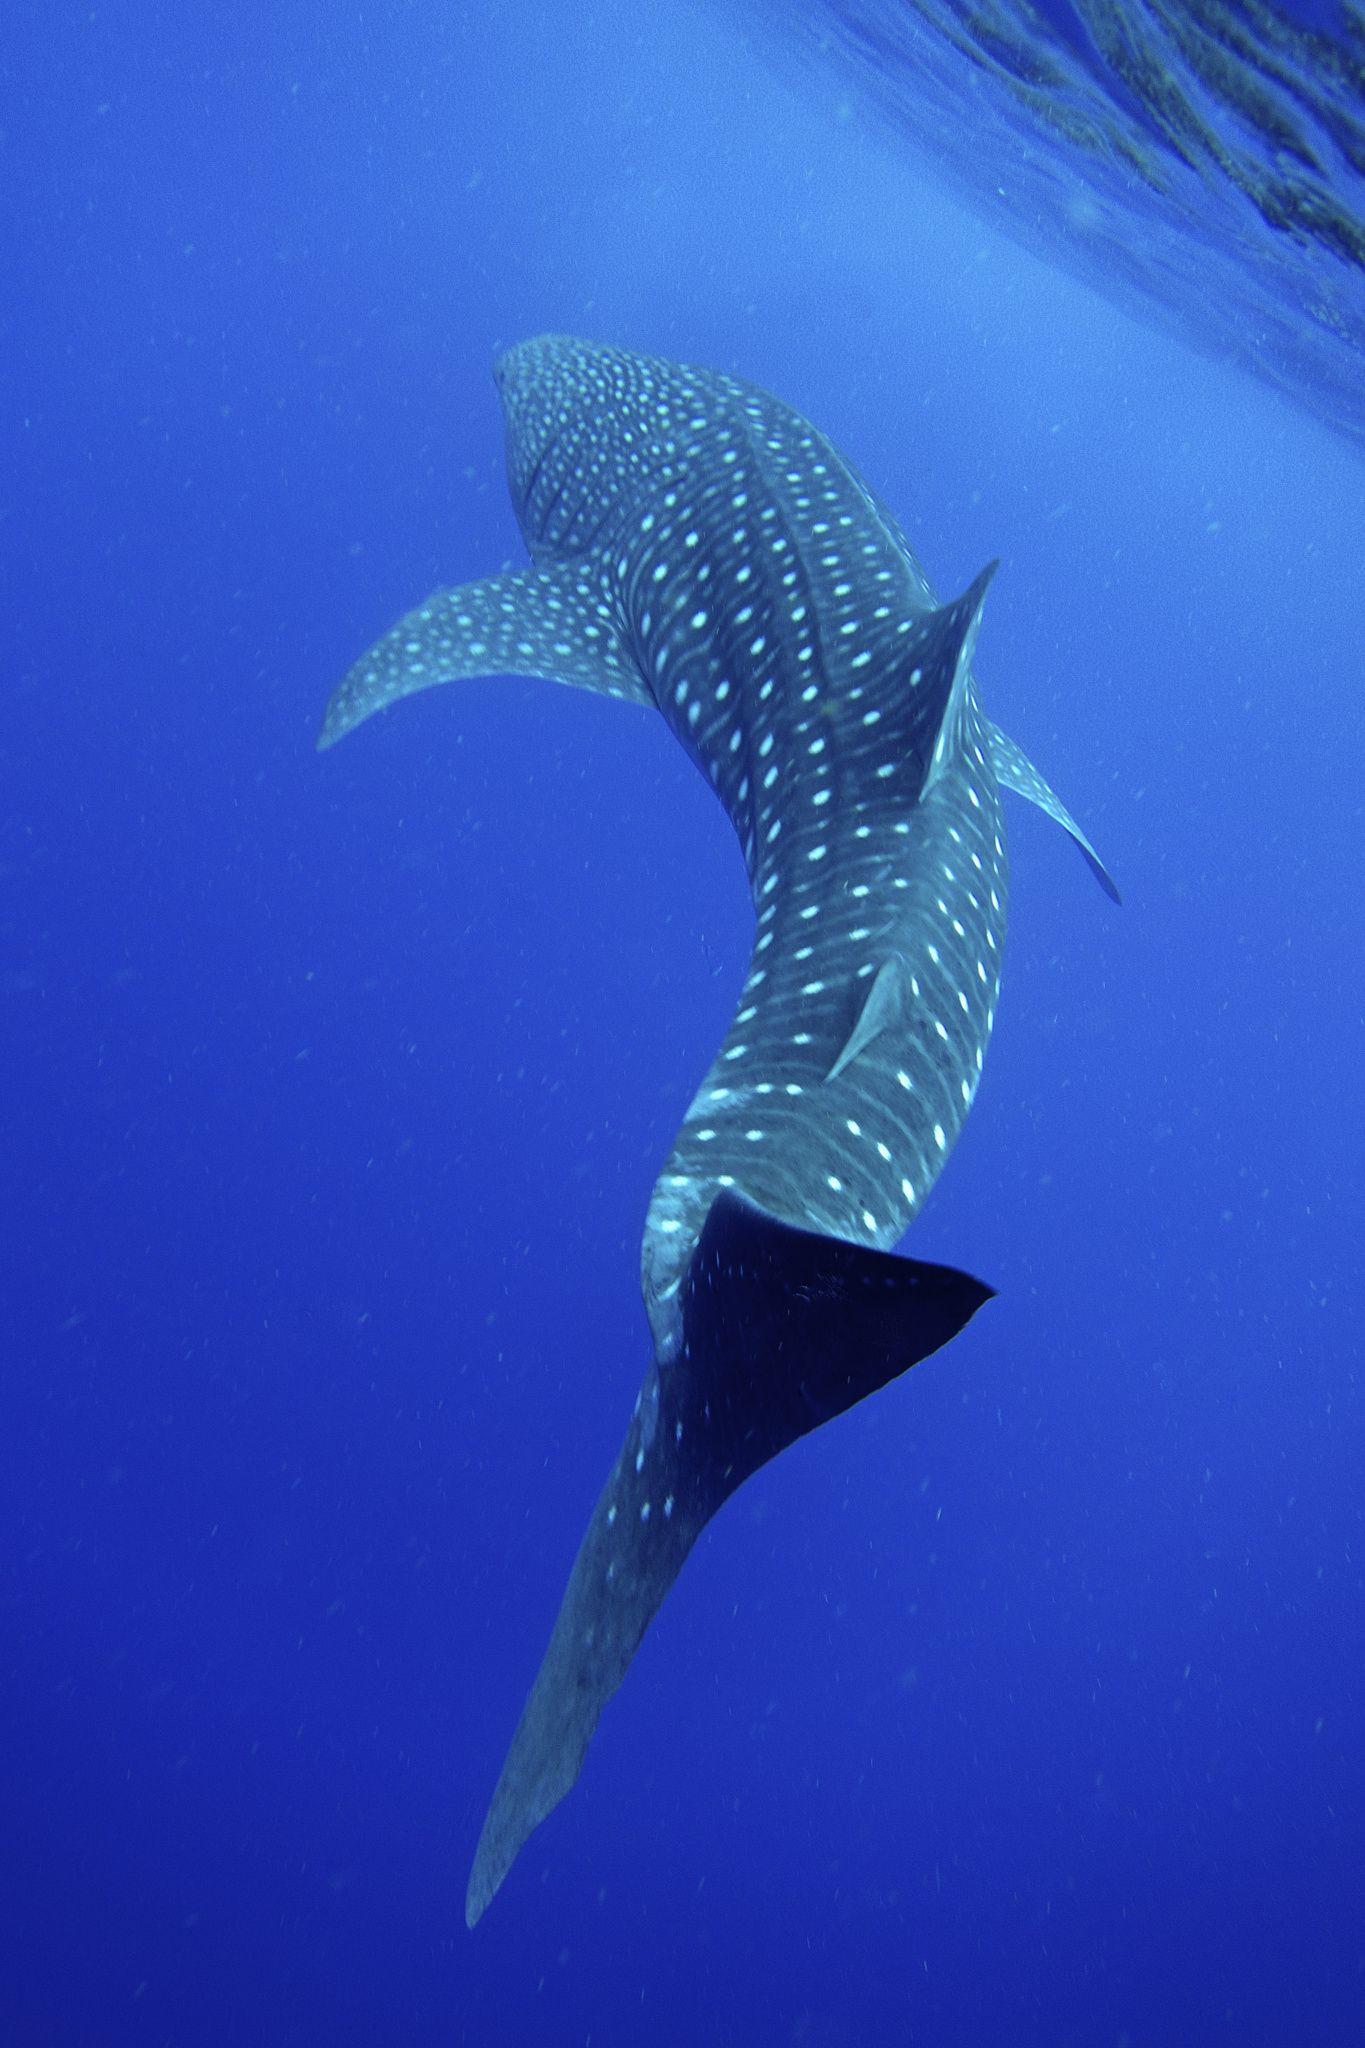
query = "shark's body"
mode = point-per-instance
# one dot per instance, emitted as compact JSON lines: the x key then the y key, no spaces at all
{"x":700,"y":548}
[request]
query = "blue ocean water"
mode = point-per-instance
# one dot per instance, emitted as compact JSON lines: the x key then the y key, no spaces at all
{"x":1202,"y":161}
{"x":1021,"y":1704}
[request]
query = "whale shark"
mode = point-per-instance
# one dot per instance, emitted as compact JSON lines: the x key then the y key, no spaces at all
{"x":698,"y":548}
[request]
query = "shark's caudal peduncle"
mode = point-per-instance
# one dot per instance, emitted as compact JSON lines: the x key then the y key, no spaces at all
{"x":700,"y":548}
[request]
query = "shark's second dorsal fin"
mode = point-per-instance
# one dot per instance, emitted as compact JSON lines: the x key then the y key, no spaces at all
{"x":943,"y":653}
{"x":885,"y":1007}
{"x":1015,"y":771}
{"x":554,"y":623}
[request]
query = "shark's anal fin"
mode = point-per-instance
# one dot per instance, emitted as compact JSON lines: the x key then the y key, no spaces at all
{"x":1015,"y":771}
{"x":782,"y":1329}
{"x":531,"y":622}
{"x":884,"y":1009}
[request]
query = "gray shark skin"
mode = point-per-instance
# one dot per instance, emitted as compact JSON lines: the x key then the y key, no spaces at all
{"x":697,"y":547}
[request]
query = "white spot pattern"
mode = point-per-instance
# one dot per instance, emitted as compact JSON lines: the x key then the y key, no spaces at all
{"x":701,"y":548}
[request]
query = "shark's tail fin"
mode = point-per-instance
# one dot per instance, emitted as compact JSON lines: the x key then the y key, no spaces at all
{"x":783,"y":1329}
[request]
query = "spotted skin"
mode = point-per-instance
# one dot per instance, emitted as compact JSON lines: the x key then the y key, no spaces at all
{"x":562,"y":625}
{"x":1015,"y":771}
{"x":855,"y":874}
{"x":699,"y":547}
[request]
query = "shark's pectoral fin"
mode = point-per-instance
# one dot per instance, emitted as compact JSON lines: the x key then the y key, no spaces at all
{"x":885,"y":1008}
{"x":1015,"y":771}
{"x":782,"y":1329}
{"x":554,"y":623}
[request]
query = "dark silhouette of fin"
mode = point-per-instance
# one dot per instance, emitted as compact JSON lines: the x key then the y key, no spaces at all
{"x":782,"y":1329}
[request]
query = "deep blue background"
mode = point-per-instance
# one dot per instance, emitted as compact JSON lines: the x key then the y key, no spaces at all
{"x":1025,"y":1703}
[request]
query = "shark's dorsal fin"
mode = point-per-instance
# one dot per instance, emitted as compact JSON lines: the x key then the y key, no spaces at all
{"x":1015,"y":771}
{"x":883,"y":1011}
{"x":947,"y":643}
{"x":554,"y":623}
